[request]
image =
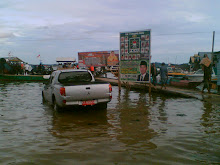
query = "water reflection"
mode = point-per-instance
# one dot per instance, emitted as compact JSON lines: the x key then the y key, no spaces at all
{"x":162,"y":110}
{"x":135,"y":129}
{"x":134,"y":121}
{"x":80,"y":123}
{"x":210,"y":116}
{"x":3,"y":93}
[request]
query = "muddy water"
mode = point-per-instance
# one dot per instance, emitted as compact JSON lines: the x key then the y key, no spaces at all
{"x":135,"y":129}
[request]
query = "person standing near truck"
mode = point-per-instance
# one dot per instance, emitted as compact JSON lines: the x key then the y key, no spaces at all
{"x":92,"y":69}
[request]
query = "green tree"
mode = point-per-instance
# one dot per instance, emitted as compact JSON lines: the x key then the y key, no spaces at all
{"x":2,"y":65}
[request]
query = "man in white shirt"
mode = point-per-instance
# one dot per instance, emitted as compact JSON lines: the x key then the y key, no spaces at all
{"x":26,"y":66}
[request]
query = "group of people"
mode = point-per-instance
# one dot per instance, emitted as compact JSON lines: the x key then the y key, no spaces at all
{"x":97,"y":71}
{"x":8,"y":67}
{"x":144,"y":76}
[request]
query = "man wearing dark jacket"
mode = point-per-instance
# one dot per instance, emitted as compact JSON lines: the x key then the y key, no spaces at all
{"x":207,"y":68}
{"x":144,"y":76}
{"x":154,"y":73}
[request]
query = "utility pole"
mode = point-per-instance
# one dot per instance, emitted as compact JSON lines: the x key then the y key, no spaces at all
{"x":213,"y":41}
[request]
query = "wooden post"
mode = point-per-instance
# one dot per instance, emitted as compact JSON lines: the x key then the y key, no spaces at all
{"x":149,"y":88}
{"x":119,"y":80}
{"x":128,"y":86}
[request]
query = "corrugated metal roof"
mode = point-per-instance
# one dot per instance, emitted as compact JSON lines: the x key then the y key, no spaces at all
{"x":13,"y":59}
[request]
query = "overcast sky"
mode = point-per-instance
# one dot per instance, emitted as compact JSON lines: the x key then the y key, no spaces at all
{"x":62,"y":28}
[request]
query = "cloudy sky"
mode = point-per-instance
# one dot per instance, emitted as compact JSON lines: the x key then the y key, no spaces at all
{"x":62,"y":28}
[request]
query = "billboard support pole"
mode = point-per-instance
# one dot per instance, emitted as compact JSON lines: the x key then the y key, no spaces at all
{"x":119,"y":69}
{"x":150,"y":67}
{"x":119,"y":80}
{"x":149,"y":89}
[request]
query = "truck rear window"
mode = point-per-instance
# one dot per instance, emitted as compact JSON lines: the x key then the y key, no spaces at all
{"x":71,"y":77}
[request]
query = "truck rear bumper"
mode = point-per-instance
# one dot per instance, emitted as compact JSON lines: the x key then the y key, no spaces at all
{"x":90,"y":102}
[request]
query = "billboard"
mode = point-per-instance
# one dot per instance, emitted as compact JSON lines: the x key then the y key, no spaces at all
{"x":135,"y":55}
{"x":99,"y":58}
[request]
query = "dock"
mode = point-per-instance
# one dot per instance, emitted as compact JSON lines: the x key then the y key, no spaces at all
{"x":30,"y":78}
{"x":171,"y":91}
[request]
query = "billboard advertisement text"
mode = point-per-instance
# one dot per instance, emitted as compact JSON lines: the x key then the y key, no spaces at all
{"x":135,"y":55}
{"x":99,"y":58}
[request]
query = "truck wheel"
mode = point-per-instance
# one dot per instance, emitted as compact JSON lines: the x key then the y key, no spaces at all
{"x":43,"y":98}
{"x":56,"y":107}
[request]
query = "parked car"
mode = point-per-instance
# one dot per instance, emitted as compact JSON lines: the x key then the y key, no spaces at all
{"x":67,"y":88}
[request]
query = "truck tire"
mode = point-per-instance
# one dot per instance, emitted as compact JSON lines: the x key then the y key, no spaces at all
{"x":56,"y":107}
{"x":43,"y":98}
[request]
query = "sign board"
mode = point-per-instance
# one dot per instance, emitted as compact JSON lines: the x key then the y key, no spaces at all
{"x":65,"y":59}
{"x":135,"y":55}
{"x":99,"y":58}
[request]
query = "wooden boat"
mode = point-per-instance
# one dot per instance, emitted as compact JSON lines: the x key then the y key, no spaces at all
{"x":184,"y":83}
{"x":199,"y":74}
{"x":7,"y":77}
{"x":175,"y":72}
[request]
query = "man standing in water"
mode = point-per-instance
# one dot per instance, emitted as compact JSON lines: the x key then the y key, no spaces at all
{"x":206,"y":67}
{"x":163,"y":75}
{"x":154,"y":73}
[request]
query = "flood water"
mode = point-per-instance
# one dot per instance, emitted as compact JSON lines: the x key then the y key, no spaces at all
{"x":135,"y":129}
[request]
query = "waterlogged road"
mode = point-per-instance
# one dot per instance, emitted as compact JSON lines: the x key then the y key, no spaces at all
{"x":135,"y":129}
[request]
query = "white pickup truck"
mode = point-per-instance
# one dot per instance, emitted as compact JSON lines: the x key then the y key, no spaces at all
{"x":75,"y":87}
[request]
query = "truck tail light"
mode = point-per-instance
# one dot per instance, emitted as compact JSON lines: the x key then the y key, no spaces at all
{"x":110,"y":88}
{"x":110,"y":91}
{"x":62,"y":91}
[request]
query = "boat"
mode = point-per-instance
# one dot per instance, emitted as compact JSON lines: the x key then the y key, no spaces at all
{"x":199,"y":74}
{"x":183,"y":82}
{"x":32,"y":78}
{"x":175,"y":72}
{"x":180,"y":79}
{"x":193,"y":80}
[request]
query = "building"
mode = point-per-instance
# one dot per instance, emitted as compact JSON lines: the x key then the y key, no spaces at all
{"x":13,"y":59}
